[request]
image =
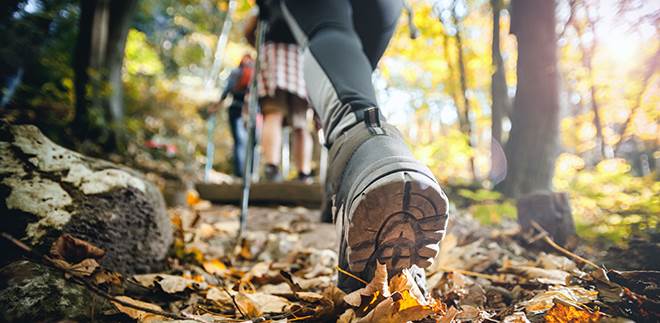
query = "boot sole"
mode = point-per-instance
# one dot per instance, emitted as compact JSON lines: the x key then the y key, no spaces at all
{"x":398,"y":220}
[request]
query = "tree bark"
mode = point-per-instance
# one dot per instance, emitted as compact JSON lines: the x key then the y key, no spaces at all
{"x":99,"y":56}
{"x":532,"y":148}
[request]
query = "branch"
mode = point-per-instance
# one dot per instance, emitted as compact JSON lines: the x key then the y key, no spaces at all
{"x":652,"y":66}
{"x":548,"y":240}
{"x":571,"y":16}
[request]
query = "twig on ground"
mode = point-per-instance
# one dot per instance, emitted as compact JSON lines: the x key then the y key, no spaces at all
{"x":233,"y":300}
{"x":548,"y":240}
{"x":347,"y":273}
{"x":472,"y":273}
{"x":276,"y":316}
{"x":49,"y":262}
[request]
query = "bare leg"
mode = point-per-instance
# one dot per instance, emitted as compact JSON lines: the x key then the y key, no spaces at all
{"x":271,"y":135}
{"x":302,"y":138}
{"x":302,"y":150}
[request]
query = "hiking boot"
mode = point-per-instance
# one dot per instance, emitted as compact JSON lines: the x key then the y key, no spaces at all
{"x":388,"y":207}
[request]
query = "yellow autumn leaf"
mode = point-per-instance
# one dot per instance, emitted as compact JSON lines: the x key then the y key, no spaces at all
{"x":561,"y":313}
{"x":214,"y":267}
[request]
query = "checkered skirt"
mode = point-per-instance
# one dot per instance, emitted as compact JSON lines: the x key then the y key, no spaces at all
{"x":281,"y":68}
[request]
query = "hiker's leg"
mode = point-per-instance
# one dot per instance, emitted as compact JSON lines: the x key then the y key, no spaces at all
{"x":239,"y":134}
{"x":389,"y":207}
{"x":302,"y":138}
{"x":375,"y":22}
{"x":337,"y":70}
{"x":271,"y":134}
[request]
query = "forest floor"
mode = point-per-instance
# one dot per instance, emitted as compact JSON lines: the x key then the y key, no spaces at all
{"x":285,"y":270}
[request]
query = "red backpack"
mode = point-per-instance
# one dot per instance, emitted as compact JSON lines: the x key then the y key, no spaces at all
{"x":244,"y":80}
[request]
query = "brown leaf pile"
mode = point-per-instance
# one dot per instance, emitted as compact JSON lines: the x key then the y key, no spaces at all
{"x":284,"y":270}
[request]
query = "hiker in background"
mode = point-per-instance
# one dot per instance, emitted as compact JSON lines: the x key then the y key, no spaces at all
{"x":282,"y":97}
{"x":237,"y":86}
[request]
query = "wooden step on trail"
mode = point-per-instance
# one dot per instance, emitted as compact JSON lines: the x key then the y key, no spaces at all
{"x":284,"y":193}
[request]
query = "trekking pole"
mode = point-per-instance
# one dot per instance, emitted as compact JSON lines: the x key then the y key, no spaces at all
{"x":414,"y":31}
{"x":253,"y":110}
{"x":215,"y":69}
{"x":210,"y":146}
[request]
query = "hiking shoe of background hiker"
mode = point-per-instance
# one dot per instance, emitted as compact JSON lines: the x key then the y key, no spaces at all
{"x":272,"y":173}
{"x":388,"y":207}
{"x":306,"y":178}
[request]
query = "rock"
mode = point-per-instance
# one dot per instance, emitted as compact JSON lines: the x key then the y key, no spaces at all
{"x":552,"y":211}
{"x":34,"y":293}
{"x":47,"y":190}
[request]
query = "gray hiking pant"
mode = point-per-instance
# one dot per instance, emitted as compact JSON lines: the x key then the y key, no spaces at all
{"x":343,"y":42}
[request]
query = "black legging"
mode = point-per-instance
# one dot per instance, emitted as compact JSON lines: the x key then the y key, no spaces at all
{"x":345,"y":39}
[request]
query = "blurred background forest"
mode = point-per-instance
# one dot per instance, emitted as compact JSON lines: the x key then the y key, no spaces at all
{"x":117,"y":78}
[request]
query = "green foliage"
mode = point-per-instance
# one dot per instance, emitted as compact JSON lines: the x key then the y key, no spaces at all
{"x":140,"y":57}
{"x":608,"y":200}
{"x":487,"y":206}
{"x":38,"y":40}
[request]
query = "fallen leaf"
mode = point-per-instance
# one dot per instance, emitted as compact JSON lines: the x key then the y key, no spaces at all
{"x":315,"y":283}
{"x":216,"y":294}
{"x":168,"y":283}
{"x":516,"y":317}
{"x":405,"y":282}
{"x":378,"y":285}
{"x":471,"y":314}
{"x":347,"y":317}
{"x":334,"y":294}
{"x":449,"y":317}
{"x":550,"y":261}
{"x":400,"y":307}
{"x":107,"y":277}
{"x":139,"y":315}
{"x":146,"y":280}
{"x":205,"y":231}
{"x":281,"y":288}
{"x":540,"y":275}
{"x":81,"y":269}
{"x":214,"y":267}
{"x":192,"y":198}
{"x":246,"y":306}
{"x":288,"y":278}
{"x":569,"y":294}
{"x":74,"y":250}
{"x":561,"y":312}
{"x":174,"y":284}
{"x":84,"y":268}
{"x":255,"y":304}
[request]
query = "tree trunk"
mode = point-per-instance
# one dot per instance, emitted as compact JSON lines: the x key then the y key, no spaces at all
{"x":587,"y":62}
{"x":532,"y":146}
{"x":463,"y":114}
{"x":587,"y":52}
{"x":498,"y":85}
{"x":99,"y":56}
